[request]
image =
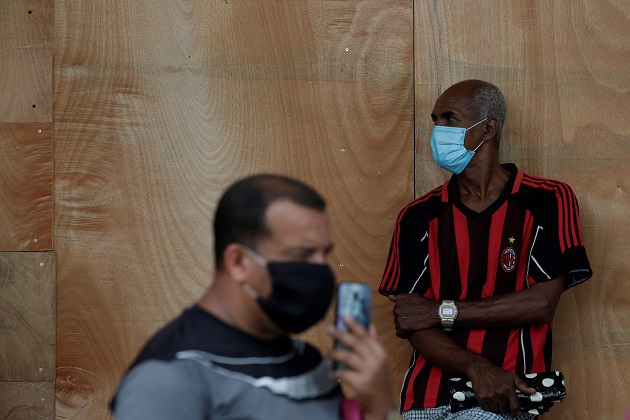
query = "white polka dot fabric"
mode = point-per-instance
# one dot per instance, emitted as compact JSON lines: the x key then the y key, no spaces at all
{"x":549,"y":388}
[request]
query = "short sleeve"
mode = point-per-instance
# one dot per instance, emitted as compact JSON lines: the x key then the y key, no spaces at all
{"x":558,"y":248}
{"x":407,"y":268}
{"x":160,"y":390}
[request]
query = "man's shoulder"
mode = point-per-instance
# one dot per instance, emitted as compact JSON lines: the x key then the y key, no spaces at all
{"x":151,"y":372}
{"x":427,"y":200}
{"x":545,"y":194}
{"x":544,"y":184}
{"x":193,"y":328}
{"x":160,"y":382}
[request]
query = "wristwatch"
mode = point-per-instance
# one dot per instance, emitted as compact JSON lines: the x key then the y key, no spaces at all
{"x":448,"y":314}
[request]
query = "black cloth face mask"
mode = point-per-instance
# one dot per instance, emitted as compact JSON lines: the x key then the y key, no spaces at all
{"x":300,"y":296}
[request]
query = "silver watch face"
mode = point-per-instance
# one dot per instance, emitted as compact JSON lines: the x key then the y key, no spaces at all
{"x":447,"y":312}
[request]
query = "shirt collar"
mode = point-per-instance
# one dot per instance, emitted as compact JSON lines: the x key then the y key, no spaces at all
{"x":451,"y":190}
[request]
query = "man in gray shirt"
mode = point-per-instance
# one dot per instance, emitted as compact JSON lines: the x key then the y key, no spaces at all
{"x":232,"y":355}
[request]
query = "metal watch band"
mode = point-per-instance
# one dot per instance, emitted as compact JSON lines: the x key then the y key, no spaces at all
{"x":447,"y":324}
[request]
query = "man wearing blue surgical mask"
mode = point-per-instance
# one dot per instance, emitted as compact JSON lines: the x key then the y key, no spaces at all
{"x":477,"y":267}
{"x":232,"y":356}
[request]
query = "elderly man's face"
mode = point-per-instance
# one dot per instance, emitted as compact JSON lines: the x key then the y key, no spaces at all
{"x":453,"y":109}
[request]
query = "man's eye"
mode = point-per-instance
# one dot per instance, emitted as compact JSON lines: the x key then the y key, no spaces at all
{"x":300,"y":257}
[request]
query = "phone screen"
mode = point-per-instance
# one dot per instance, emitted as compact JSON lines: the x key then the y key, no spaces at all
{"x":354,"y":299}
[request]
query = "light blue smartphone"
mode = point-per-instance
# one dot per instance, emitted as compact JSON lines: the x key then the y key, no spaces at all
{"x":354,"y":299}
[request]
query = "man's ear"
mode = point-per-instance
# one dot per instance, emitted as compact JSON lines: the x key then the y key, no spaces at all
{"x":236,"y":263}
{"x":490,"y":132}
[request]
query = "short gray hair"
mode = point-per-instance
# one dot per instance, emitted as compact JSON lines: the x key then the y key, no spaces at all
{"x":488,"y":102}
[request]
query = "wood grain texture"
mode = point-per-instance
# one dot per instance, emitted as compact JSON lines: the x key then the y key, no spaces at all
{"x":26,"y":186}
{"x":27,"y":317}
{"x":564,"y":68}
{"x":26,"y":51}
{"x":27,"y":400}
{"x":159,"y":109}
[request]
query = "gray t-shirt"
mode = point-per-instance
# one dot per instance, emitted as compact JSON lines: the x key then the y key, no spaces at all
{"x":200,"y":368}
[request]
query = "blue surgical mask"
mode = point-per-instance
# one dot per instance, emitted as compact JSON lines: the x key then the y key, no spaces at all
{"x":447,"y":145}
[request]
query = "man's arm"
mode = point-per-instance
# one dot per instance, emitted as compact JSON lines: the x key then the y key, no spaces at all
{"x":494,"y":387}
{"x":417,"y":319}
{"x":535,"y":305}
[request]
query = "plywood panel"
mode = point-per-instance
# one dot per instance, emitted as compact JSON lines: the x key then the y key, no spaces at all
{"x":26,"y":186}
{"x":157,"y":110}
{"x":26,"y":52}
{"x":27,"y":400}
{"x":564,"y":68}
{"x":27,"y":316}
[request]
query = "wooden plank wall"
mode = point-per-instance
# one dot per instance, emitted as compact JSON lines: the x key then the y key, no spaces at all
{"x":158,"y":109}
{"x":159,"y":106}
{"x":27,"y":337}
{"x":564,"y":67}
{"x":27,"y":279}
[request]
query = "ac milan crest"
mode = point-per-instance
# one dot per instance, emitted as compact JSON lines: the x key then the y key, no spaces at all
{"x":508,"y":259}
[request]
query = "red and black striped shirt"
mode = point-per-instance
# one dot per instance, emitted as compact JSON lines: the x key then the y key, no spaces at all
{"x":443,"y":250}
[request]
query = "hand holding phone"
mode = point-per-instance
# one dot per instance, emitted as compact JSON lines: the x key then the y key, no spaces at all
{"x":367,"y":372}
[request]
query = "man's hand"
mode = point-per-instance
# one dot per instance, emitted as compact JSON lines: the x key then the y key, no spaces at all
{"x":495,"y":388}
{"x":413,"y":312}
{"x":367,"y":371}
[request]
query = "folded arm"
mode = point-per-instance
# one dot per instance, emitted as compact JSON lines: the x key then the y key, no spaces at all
{"x":535,"y":305}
